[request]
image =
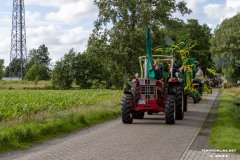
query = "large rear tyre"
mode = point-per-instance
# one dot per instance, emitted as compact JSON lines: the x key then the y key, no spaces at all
{"x":178,"y":91}
{"x":170,"y":109}
{"x":179,"y":104}
{"x":126,"y":108}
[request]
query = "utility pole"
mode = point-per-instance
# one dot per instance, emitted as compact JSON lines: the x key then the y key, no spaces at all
{"x":18,"y":53}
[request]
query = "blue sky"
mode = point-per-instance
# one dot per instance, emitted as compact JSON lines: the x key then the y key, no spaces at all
{"x":65,"y":24}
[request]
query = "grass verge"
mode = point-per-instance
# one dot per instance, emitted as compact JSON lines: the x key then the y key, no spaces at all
{"x":10,"y":85}
{"x":226,"y":129}
{"x":22,"y":136}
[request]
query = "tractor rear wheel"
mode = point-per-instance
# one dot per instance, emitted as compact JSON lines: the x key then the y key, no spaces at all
{"x":126,"y":108}
{"x":180,"y":106}
{"x":178,"y":91}
{"x":170,"y":109}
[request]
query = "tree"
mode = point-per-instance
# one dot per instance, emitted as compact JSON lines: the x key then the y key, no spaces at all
{"x":38,"y":59}
{"x":1,"y":68}
{"x":14,"y":68}
{"x":63,"y":72}
{"x":89,"y":69}
{"x":201,"y":36}
{"x":37,"y":71}
{"x":121,"y":45}
{"x":226,"y":48}
{"x":39,"y":56}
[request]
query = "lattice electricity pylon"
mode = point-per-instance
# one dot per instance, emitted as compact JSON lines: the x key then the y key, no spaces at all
{"x":18,"y":53}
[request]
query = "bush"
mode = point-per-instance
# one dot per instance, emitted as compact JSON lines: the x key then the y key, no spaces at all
{"x":225,"y":85}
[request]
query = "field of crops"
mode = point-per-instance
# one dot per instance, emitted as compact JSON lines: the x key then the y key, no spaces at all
{"x":32,"y":116}
{"x":15,"y":103}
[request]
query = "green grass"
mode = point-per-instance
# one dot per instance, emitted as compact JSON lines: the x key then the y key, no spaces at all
{"x":25,"y":85}
{"x":226,"y":129}
{"x":51,"y":113}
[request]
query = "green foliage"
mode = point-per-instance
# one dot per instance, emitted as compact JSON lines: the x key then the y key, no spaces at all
{"x":38,"y":64}
{"x":225,"y":48}
{"x":1,"y":68}
{"x":63,"y":73}
{"x":21,"y":85}
{"x":120,"y":46}
{"x":200,"y":35}
{"x":38,"y":56}
{"x":36,"y":80}
{"x":15,"y":67}
{"x":40,"y":71}
{"x":89,"y":68}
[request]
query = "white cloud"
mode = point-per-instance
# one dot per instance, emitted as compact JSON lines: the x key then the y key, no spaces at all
{"x":73,"y":12}
{"x":209,"y":13}
{"x":33,"y":18}
{"x":234,"y":4}
{"x":222,"y":11}
{"x":5,"y":44}
{"x":74,"y":36}
{"x":59,"y":24}
{"x":214,"y":11}
{"x":194,"y":4}
{"x":58,"y":40}
{"x":5,"y":18}
{"x":47,"y":3}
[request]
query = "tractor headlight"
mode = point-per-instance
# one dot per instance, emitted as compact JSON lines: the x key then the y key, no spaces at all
{"x":142,"y":101}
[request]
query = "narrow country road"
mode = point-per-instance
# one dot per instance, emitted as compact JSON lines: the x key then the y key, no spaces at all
{"x":149,"y":138}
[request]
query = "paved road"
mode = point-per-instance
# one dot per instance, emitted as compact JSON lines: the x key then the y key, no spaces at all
{"x":149,"y":138}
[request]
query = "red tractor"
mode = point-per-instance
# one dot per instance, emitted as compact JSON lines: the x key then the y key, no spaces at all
{"x":155,"y":95}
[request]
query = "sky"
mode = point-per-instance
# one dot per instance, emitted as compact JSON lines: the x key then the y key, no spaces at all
{"x":65,"y":24}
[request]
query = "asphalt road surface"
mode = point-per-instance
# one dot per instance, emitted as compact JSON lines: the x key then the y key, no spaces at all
{"x":149,"y":138}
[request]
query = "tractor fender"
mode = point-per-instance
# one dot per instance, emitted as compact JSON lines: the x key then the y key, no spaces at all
{"x":175,"y":80}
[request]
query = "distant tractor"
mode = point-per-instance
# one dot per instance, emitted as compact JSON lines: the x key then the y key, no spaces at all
{"x":155,"y":95}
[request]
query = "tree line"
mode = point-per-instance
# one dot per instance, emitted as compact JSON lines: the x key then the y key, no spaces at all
{"x":111,"y":57}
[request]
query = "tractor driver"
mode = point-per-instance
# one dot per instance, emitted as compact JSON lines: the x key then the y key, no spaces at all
{"x":158,"y":72}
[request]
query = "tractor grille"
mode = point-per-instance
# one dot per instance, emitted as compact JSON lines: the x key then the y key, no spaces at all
{"x":147,"y":88}
{"x":147,"y":82}
{"x":147,"y":92}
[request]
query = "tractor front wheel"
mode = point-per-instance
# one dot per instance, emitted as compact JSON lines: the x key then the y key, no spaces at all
{"x":126,"y":108}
